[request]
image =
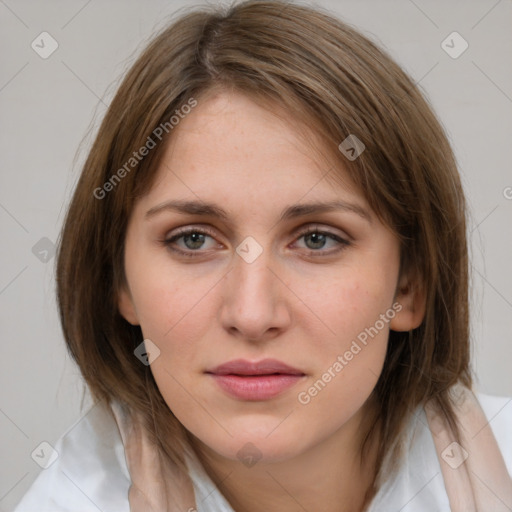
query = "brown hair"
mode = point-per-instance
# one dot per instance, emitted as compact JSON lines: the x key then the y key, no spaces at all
{"x":325,"y":72}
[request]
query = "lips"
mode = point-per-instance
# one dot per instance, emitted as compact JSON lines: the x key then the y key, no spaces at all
{"x":247,"y":368}
{"x":256,"y":381}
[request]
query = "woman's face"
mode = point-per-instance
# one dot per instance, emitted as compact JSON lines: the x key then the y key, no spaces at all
{"x":263,"y":271}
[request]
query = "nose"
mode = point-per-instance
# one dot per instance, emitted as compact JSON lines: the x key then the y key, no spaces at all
{"x":255,"y":306}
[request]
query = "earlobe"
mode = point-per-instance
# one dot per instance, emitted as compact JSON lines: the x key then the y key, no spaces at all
{"x":412,"y":299}
{"x":126,"y":307}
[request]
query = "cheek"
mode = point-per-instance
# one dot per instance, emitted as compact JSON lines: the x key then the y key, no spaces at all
{"x":347,"y":368}
{"x":358,"y":311}
{"x":170,"y":301}
{"x":351,"y":305}
{"x":178,"y":324}
{"x":176,"y":317}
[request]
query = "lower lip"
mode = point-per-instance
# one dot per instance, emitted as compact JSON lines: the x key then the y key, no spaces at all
{"x":257,"y":387}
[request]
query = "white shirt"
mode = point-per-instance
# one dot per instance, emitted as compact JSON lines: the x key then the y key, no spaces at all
{"x":90,"y":474}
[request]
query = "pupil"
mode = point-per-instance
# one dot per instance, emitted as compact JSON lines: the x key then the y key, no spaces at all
{"x":197,"y":240}
{"x":318,"y":240}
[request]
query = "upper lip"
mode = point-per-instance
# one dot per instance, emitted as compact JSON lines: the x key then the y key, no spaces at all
{"x":263,"y":367}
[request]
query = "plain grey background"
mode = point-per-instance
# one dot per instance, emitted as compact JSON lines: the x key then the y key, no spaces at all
{"x":51,"y":107}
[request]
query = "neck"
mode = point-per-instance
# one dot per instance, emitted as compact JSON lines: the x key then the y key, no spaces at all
{"x":329,"y":476}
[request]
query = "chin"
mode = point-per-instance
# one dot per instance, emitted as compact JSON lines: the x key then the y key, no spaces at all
{"x":256,"y":446}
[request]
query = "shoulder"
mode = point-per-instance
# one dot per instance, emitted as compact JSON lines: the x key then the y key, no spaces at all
{"x":89,"y":472}
{"x":419,"y":485}
{"x":498,"y":411}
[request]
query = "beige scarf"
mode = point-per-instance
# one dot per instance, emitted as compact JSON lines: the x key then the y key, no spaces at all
{"x":474,"y":472}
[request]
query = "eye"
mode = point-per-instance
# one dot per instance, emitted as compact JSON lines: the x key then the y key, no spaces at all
{"x":194,"y":242}
{"x":316,"y":240}
{"x":190,"y":241}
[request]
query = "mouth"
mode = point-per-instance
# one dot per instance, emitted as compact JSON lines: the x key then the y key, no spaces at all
{"x":256,"y":381}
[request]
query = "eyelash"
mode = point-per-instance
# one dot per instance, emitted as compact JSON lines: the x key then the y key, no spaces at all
{"x":205,"y":231}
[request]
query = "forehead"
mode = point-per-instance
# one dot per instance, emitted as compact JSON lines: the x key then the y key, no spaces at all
{"x":230,"y":145}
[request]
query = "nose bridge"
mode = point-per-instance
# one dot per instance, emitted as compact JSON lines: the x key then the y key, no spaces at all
{"x":253,"y":303}
{"x":254,"y":279}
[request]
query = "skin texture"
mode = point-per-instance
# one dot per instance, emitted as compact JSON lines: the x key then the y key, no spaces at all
{"x":303,"y":301}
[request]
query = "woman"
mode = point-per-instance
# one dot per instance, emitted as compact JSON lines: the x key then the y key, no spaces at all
{"x":263,"y":278}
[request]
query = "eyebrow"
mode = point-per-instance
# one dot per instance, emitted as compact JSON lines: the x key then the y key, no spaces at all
{"x":297,"y":210}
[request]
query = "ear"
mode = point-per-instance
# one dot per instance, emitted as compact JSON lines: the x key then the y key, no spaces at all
{"x":126,"y":306}
{"x":411,"y":296}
